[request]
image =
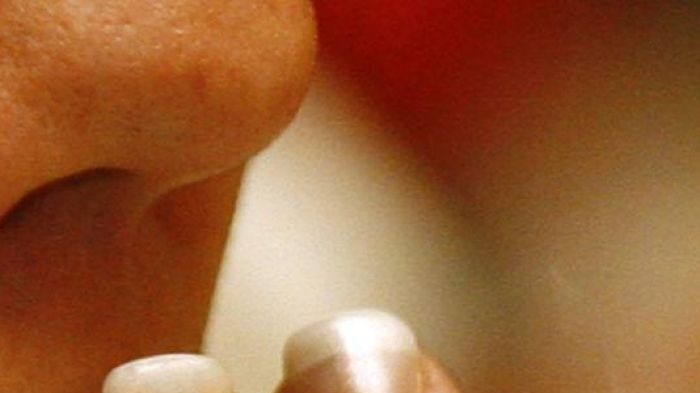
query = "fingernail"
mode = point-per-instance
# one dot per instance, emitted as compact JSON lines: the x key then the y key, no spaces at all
{"x":364,"y":351}
{"x":176,"y":373}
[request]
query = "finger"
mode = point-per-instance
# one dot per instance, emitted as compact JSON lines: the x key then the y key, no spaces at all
{"x":436,"y":379}
{"x":357,"y":352}
{"x":176,"y":373}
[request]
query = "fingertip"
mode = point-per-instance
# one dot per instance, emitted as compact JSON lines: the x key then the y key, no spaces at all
{"x":437,"y":378}
{"x":349,"y":334}
{"x":365,"y":351}
{"x":172,"y":373}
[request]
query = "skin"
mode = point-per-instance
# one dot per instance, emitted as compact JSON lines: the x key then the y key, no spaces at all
{"x":113,"y":114}
{"x":125,"y":126}
{"x":399,"y":373}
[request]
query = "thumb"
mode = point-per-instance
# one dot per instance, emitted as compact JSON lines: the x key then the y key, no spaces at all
{"x":358,"y":352}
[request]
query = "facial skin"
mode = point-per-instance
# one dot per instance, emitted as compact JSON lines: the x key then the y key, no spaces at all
{"x":124,"y":126}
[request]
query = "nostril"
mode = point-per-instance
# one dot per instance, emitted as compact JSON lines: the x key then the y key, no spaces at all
{"x":92,"y":199}
{"x":177,"y":96}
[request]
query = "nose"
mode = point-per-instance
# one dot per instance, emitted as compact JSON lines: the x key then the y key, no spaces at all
{"x":172,"y":93}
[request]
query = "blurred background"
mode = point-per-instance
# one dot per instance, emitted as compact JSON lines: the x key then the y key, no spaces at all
{"x":581,"y":175}
{"x":336,"y":216}
{"x":583,"y":276}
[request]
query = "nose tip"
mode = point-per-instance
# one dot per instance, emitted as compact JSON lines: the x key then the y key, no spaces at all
{"x":170,"y":96}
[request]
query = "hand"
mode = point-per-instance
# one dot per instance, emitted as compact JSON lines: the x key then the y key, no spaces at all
{"x":358,"y":352}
